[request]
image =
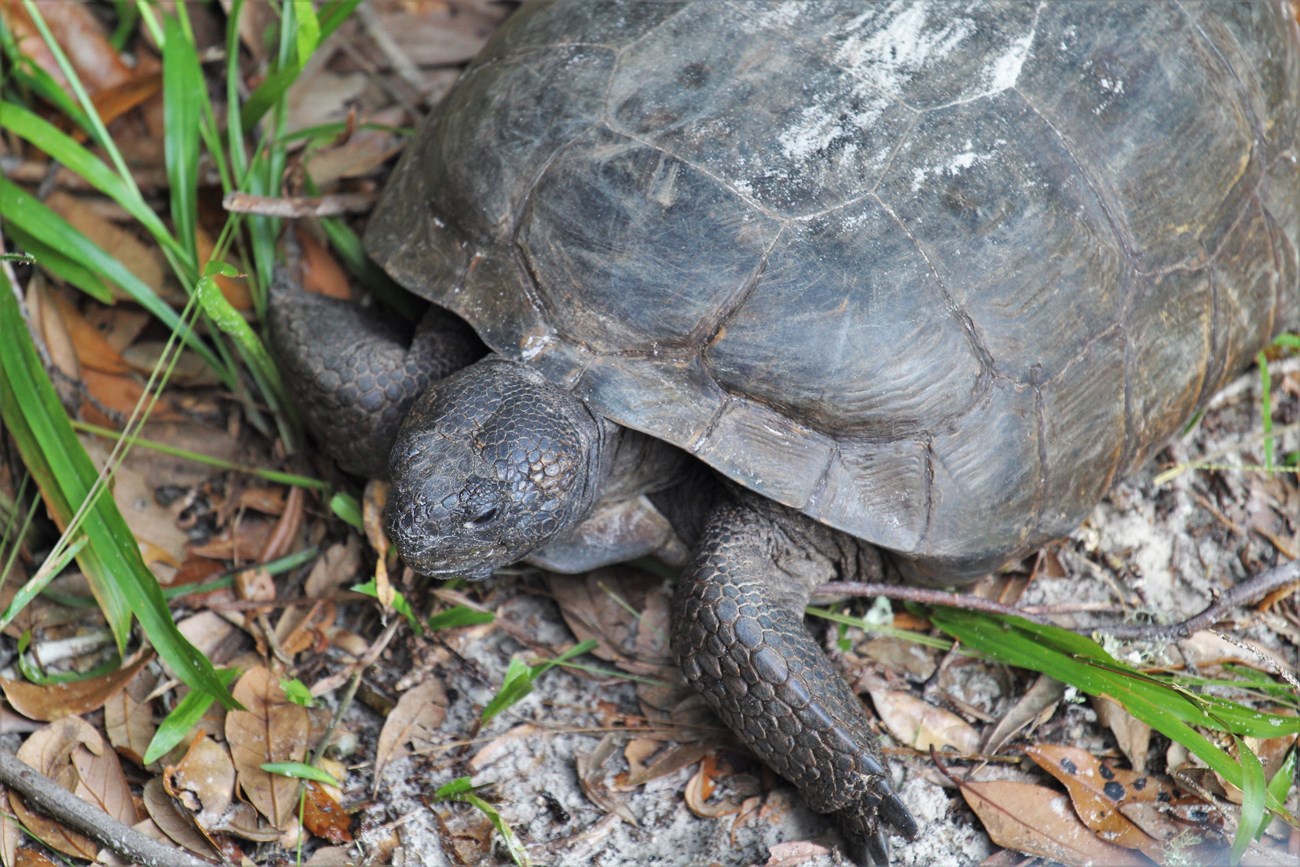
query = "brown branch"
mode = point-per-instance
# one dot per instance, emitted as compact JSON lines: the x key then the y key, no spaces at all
{"x":1246,"y":593}
{"x":58,"y":803}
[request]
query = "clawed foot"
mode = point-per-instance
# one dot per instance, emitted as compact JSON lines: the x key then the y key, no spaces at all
{"x":865,"y":824}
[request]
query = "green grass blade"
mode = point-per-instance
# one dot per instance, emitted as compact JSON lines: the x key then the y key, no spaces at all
{"x":1253,"y":791}
{"x":79,"y":160}
{"x":56,"y":233}
{"x":1081,"y":662}
{"x":52,"y":261}
{"x":183,"y":94}
{"x":178,"y":724}
{"x":67,"y":478}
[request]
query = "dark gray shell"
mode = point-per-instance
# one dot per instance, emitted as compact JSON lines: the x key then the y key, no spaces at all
{"x":935,"y":273}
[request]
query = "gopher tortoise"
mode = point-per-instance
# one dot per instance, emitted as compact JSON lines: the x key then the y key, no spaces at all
{"x":791,"y":292}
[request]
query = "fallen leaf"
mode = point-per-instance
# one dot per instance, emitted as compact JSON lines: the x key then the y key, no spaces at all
{"x":128,"y":717}
{"x":439,"y":34}
{"x":78,"y":32}
{"x":592,"y":779}
{"x":1033,"y":709}
{"x":339,"y":566}
{"x":203,"y":781}
{"x":668,"y":760}
{"x":699,"y":789}
{"x":1132,"y":735}
{"x":1039,"y":821}
{"x":270,"y":729}
{"x":143,"y":261}
{"x":93,"y":351}
{"x":324,"y":816}
{"x":57,"y":700}
{"x":176,"y":824}
{"x":300,"y":629}
{"x":1098,"y":790}
{"x":419,"y":712}
{"x":919,"y":724}
{"x":72,"y":754}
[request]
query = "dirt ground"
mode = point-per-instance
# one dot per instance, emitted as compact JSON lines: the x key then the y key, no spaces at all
{"x":1160,"y":550}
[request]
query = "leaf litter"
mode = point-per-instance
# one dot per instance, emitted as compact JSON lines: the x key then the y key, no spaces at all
{"x":594,"y":740}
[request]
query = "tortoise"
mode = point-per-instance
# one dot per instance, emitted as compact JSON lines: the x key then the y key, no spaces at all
{"x":793,"y":292}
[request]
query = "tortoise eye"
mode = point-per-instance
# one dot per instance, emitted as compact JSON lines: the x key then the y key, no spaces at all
{"x":483,"y":518}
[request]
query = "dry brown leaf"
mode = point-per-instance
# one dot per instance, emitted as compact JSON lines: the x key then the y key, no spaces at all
{"x":45,"y":318}
{"x":78,"y":32}
{"x":113,"y":102}
{"x":29,"y":857}
{"x":57,"y":700}
{"x":143,"y":261}
{"x":190,"y":369}
{"x":363,"y":152}
{"x":1097,"y":792}
{"x":332,"y":856}
{"x":243,"y":544}
{"x":1132,"y":735}
{"x":918,"y":723}
{"x":128,"y":717}
{"x":439,"y":34}
{"x":700,"y":788}
{"x":11,"y":833}
{"x":669,"y":760}
{"x":592,"y":779}
{"x":172,"y":821}
{"x":72,"y":754}
{"x":321,"y":272}
{"x":93,"y":351}
{"x":795,"y":853}
{"x":340,"y":565}
{"x":271,"y":729}
{"x":299,"y":628}
{"x":324,"y":816}
{"x":419,"y":712}
{"x":203,"y":781}
{"x":904,"y":656}
{"x":1033,"y":709}
{"x":1040,"y":821}
{"x":613,"y":606}
{"x":208,"y":632}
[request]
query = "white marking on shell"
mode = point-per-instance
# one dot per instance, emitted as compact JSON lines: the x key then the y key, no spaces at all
{"x":890,"y":55}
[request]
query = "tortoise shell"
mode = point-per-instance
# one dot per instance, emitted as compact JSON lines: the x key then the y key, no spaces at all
{"x":936,"y":274}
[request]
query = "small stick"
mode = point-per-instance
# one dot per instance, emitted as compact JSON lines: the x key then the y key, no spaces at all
{"x":298,"y":206}
{"x":58,"y":803}
{"x":1246,"y":593}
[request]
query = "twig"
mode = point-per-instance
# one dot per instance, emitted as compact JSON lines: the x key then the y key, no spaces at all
{"x":923,"y":595}
{"x":58,"y":803}
{"x":1246,"y":593}
{"x":298,"y":206}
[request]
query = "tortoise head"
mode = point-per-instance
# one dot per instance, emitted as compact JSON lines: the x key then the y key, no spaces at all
{"x":491,"y":464}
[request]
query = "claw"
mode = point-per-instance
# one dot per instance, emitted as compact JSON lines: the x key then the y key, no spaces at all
{"x":895,"y":814}
{"x":878,"y":848}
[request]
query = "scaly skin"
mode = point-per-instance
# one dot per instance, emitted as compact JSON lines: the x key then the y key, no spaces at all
{"x":354,"y":375}
{"x":493,"y":462}
{"x":739,"y":638}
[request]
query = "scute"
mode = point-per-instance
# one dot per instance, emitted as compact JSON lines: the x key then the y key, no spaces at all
{"x":1146,"y":67}
{"x":847,"y":346}
{"x":1012,"y":231}
{"x":612,"y":235}
{"x":790,"y":129}
{"x":935,"y":273}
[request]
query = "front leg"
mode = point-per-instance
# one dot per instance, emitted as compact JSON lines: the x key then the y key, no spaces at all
{"x":740,"y":639}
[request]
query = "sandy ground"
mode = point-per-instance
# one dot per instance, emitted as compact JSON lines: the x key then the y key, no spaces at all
{"x":1163,"y":549}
